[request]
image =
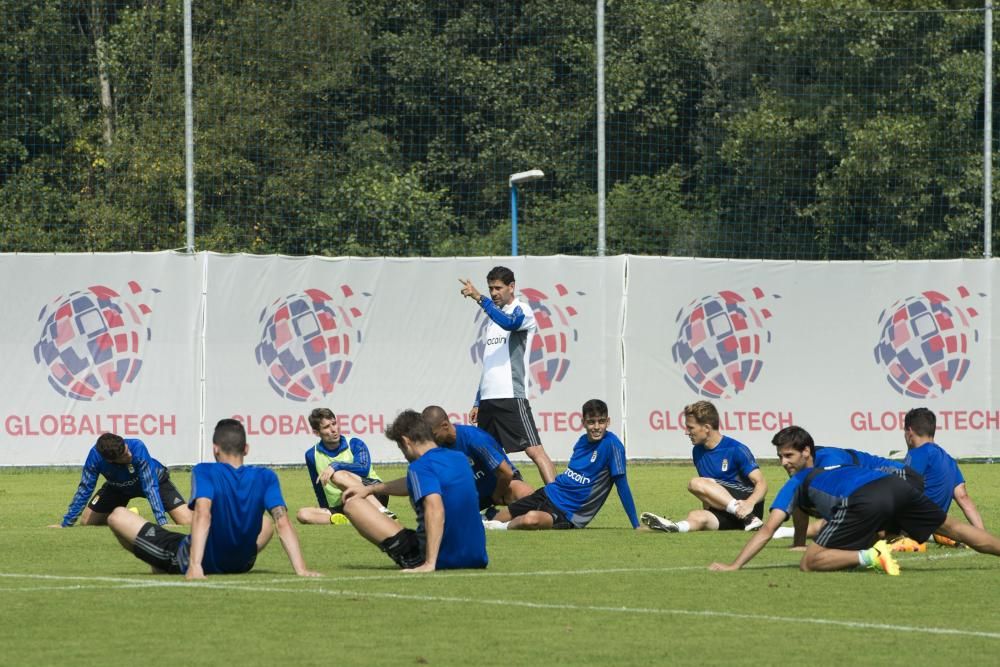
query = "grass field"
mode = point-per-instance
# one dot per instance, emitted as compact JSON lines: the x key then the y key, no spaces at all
{"x":604,"y":595}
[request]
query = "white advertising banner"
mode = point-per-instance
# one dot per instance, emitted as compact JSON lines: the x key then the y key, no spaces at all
{"x":842,"y":349}
{"x":97,"y":343}
{"x":370,"y":337}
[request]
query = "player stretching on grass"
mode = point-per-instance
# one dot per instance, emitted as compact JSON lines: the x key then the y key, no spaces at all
{"x":501,"y":407}
{"x":130,"y":473}
{"x":729,"y":485}
{"x":498,"y":481}
{"x":857,"y":503}
{"x":228,"y":530}
{"x":579,"y":492}
{"x":333,"y":464}
{"x":439,"y":482}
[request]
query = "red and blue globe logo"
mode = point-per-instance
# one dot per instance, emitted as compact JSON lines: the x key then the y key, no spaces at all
{"x":549,"y":359}
{"x":306,"y":342}
{"x":720,"y":342}
{"x":925,"y":342}
{"x":92,"y":340}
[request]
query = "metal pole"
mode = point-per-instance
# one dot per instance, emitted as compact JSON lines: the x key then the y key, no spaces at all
{"x":188,"y":128}
{"x":601,"y":185}
{"x":988,"y":134}
{"x":513,"y":221}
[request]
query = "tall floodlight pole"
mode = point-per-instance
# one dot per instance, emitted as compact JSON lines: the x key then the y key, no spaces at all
{"x":601,"y":185}
{"x":988,"y":133}
{"x":188,"y":129}
{"x":513,"y":182}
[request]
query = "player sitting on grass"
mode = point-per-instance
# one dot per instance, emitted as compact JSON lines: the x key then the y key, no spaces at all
{"x":130,"y":473}
{"x":333,"y":464}
{"x":498,"y":481}
{"x":577,"y":493}
{"x":228,"y":529}
{"x":442,"y":491}
{"x":729,"y":485}
{"x":943,"y":481}
{"x":862,"y":502}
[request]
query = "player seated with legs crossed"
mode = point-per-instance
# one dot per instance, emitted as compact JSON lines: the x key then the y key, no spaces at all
{"x":129,"y":472}
{"x":498,"y":480}
{"x":729,"y":484}
{"x":335,"y":463}
{"x":578,"y":493}
{"x":449,"y":531}
{"x":857,"y":503}
{"x":228,"y":529}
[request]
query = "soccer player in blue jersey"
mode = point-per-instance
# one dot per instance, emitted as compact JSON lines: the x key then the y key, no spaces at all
{"x":228,"y":529}
{"x":449,"y":532}
{"x":943,"y":481}
{"x":729,"y":484}
{"x":501,"y":407}
{"x":130,"y":472}
{"x":497,"y":479}
{"x":857,"y":503}
{"x":335,"y":463}
{"x":573,"y":499}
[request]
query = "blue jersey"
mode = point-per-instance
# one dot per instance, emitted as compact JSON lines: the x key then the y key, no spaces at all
{"x":239,"y":496}
{"x":581,"y":489}
{"x":484,"y":454}
{"x":142,"y":473}
{"x":828,"y":490}
{"x":940,"y":471}
{"x":835,"y":456}
{"x":446,"y":473}
{"x":360,"y":466}
{"x":729,"y":463}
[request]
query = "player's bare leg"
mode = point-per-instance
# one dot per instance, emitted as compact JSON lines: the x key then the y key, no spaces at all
{"x":125,"y":526}
{"x":517,"y":490}
{"x":541,"y":459}
{"x":971,"y":536}
{"x":371,"y":523}
{"x":343,"y":480}
{"x":710,"y":492}
{"x":317,"y":516}
{"x":533,"y":520}
{"x":92,"y":518}
{"x":701,"y":520}
{"x":182,"y":515}
{"x":821,"y":559}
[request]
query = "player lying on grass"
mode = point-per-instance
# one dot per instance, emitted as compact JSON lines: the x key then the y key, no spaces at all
{"x":729,"y":484}
{"x":857,"y":503}
{"x":498,"y":480}
{"x":228,"y":529}
{"x":573,"y":499}
{"x":130,"y":472}
{"x":443,"y":493}
{"x":333,"y":464}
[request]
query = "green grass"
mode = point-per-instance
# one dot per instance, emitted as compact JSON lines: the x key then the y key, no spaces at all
{"x":604,"y":595}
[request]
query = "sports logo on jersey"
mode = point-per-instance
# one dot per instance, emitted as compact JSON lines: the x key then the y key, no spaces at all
{"x":593,"y":457}
{"x":925,"y":342}
{"x":92,"y":340}
{"x":720,"y":341}
{"x":551,"y":349}
{"x":725,"y":465}
{"x":306,"y":342}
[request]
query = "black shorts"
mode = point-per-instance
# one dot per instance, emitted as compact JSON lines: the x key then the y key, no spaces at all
{"x":509,"y":420}
{"x":729,"y":521}
{"x":367,"y":481}
{"x":109,"y":497}
{"x":539,"y":502}
{"x":889,"y":503}
{"x":405,"y":548}
{"x":163,"y":549}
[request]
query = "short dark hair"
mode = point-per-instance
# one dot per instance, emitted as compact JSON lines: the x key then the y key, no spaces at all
{"x":501,"y":273}
{"x":703,"y":413}
{"x":110,"y":446}
{"x":921,"y":421}
{"x":230,"y":436}
{"x":595,"y":407}
{"x":797,"y":437}
{"x":410,"y":424}
{"x":433,"y":415}
{"x":318,"y":415}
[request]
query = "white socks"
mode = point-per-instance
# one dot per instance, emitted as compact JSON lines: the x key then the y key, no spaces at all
{"x":683,"y":526}
{"x":783,"y":532}
{"x":731,"y":507}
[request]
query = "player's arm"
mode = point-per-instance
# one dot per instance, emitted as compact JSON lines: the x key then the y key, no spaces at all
{"x":434,"y":527}
{"x":507,"y":321}
{"x":201,"y":521}
{"x":745,"y":506}
{"x":968,"y":506}
{"x":625,"y":495}
{"x":290,"y":541}
{"x":150,"y":485}
{"x":88,"y":480}
{"x":395,"y":487}
{"x":755,"y":543}
{"x":314,"y":479}
{"x":362,"y":464}
{"x":505,"y":475}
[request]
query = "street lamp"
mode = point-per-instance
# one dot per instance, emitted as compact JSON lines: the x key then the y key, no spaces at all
{"x":513,"y":182}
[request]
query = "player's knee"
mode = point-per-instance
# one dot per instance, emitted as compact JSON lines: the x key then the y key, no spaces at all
{"x":302,"y":515}
{"x":698,"y":485}
{"x":342,"y":479}
{"x":118,"y":516}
